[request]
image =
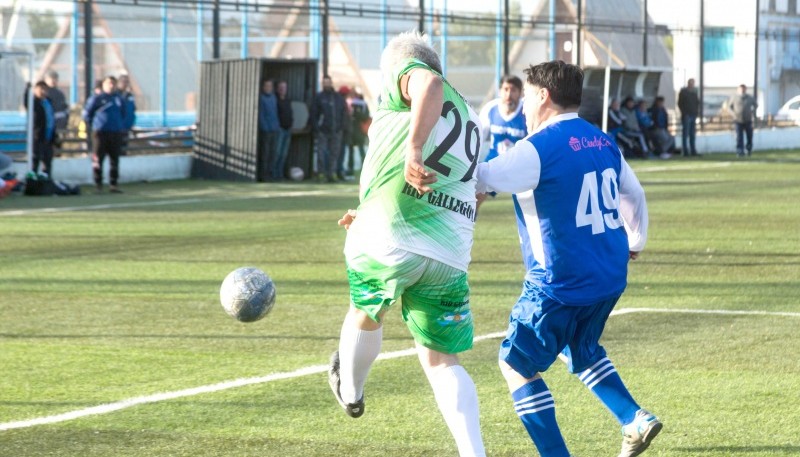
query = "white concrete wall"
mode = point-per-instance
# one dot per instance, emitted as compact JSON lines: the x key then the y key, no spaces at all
{"x":131,"y":168}
{"x":763,"y":139}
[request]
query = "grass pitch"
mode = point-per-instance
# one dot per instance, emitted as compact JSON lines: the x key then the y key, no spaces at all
{"x":105,"y":298}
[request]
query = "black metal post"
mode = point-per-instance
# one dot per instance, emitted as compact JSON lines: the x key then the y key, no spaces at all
{"x":88,"y":62}
{"x":644,"y":39}
{"x":324,"y":20}
{"x":215,"y":31}
{"x":701,"y":83}
{"x":421,"y":26}
{"x":755,"y":66}
{"x":579,"y":35}
{"x":506,"y":46}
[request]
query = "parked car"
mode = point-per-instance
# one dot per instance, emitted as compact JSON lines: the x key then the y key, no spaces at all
{"x":790,"y":111}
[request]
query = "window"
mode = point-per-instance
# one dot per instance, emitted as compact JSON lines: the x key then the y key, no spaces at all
{"x":718,"y":44}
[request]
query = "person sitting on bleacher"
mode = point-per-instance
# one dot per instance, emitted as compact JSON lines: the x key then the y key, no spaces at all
{"x":616,"y":122}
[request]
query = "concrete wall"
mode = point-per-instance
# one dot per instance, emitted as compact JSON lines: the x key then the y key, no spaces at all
{"x":179,"y":166}
{"x":131,"y":168}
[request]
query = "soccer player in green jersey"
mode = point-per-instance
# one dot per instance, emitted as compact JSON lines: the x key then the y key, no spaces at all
{"x":413,"y":243}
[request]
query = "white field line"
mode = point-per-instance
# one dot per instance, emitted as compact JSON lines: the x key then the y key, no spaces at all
{"x":305,"y":371}
{"x":695,"y":166}
{"x":184,"y":201}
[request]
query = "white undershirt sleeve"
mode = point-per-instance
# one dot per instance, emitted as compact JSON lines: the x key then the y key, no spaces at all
{"x":515,"y":171}
{"x":633,"y":208}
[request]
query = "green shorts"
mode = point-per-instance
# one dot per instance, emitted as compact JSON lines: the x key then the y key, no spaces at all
{"x":435,"y":296}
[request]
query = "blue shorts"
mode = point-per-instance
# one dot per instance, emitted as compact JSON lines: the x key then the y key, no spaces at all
{"x":540,"y":328}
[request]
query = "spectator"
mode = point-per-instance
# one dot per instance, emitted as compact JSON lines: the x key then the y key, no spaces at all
{"x":347,"y":132}
{"x":57,"y":99}
{"x":105,"y":113}
{"x":743,"y":106}
{"x":647,"y":126}
{"x":123,"y":86}
{"x":658,"y":113}
{"x":285,"y":121}
{"x":689,"y":105}
{"x":360,"y":120}
{"x":44,"y":128}
{"x":269,"y":126}
{"x":630,"y":125}
{"x":327,"y":118}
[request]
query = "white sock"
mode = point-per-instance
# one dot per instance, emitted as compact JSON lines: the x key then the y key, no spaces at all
{"x":357,"y":350}
{"x":458,"y":401}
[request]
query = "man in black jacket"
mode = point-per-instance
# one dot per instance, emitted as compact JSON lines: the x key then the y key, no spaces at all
{"x":328,"y":114}
{"x":44,"y":128}
{"x":285,"y":119}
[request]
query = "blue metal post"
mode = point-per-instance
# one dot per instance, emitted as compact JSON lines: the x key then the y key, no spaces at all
{"x":429,"y":27}
{"x":313,"y":25}
{"x":444,"y":38}
{"x":498,"y":42}
{"x":73,"y":85}
{"x":200,"y":37}
{"x":163,"y":69}
{"x":384,"y":39}
{"x":245,"y":32}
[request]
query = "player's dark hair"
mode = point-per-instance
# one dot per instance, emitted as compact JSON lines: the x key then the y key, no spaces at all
{"x":41,"y":84}
{"x":513,"y":80}
{"x":563,"y":81}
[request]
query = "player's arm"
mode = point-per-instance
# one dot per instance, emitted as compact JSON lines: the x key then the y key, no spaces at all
{"x":515,"y":171}
{"x":423,"y":91}
{"x":486,"y":131}
{"x":633,"y":209}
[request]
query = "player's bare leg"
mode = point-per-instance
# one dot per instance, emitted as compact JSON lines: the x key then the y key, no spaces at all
{"x":456,"y":397}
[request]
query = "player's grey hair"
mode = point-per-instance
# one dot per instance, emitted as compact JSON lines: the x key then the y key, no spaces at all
{"x":409,"y":45}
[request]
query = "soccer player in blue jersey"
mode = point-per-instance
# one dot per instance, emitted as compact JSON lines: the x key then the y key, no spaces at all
{"x":582,"y":216}
{"x":502,"y":120}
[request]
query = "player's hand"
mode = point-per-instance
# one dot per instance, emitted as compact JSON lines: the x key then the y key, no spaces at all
{"x":348,"y":219}
{"x":418,"y":177}
{"x":633,"y":255}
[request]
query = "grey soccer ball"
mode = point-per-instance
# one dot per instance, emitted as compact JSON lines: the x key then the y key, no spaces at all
{"x":247,"y":294}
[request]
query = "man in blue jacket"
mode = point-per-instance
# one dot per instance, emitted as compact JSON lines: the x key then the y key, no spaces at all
{"x":105,"y":114}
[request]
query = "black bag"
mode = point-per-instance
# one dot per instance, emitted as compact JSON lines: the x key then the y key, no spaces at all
{"x":39,"y":187}
{"x":62,"y":188}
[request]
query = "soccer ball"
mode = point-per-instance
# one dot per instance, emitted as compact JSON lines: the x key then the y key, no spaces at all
{"x":296,"y":173}
{"x":247,"y":294}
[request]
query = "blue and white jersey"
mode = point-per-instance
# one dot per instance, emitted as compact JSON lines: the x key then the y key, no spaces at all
{"x":501,"y":131}
{"x":580,"y":209}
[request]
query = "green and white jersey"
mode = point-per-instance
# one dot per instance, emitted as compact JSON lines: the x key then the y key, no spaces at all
{"x":438,"y":225}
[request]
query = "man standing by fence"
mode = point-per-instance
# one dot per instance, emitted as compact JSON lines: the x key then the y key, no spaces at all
{"x":743,"y":106}
{"x":105,"y":113}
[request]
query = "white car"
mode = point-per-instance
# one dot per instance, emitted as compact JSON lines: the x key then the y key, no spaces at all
{"x":790,"y":111}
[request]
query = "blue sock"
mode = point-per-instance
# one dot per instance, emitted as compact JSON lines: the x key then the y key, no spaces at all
{"x":536,"y":409}
{"x":602,"y":379}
